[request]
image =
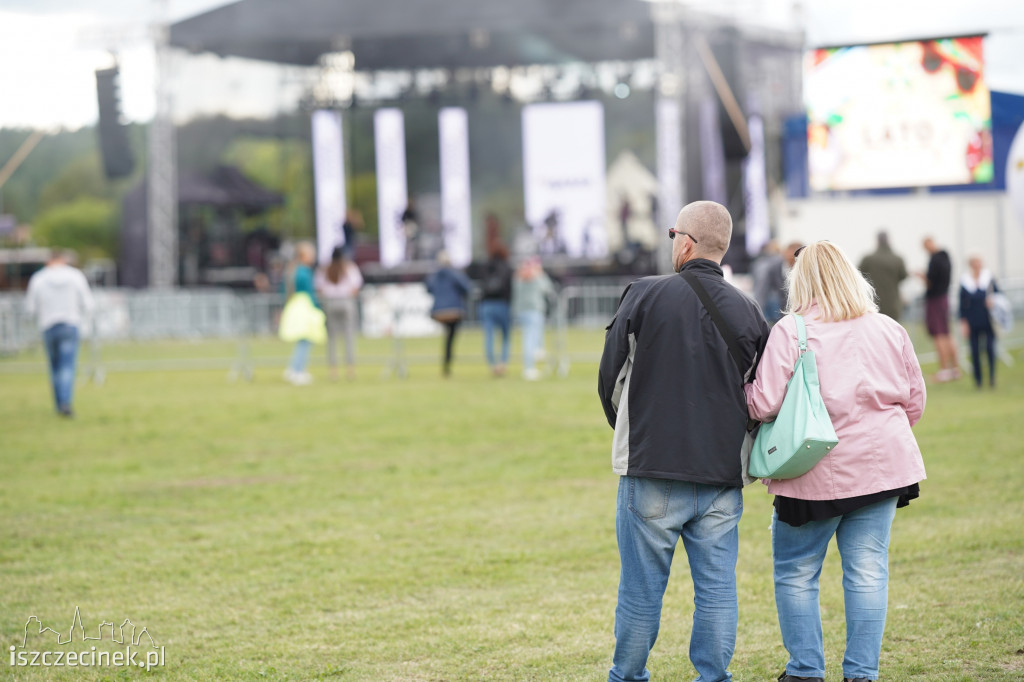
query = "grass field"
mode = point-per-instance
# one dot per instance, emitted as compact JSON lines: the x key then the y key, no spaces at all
{"x":436,"y":530}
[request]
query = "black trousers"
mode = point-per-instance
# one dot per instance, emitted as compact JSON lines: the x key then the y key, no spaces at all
{"x":449,"y":341}
{"x":990,"y":350}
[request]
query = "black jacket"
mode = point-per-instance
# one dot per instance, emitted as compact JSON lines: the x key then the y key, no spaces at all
{"x":496,"y":280}
{"x":668,"y":384}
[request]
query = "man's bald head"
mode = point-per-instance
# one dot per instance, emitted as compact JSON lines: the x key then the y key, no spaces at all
{"x":711,"y":227}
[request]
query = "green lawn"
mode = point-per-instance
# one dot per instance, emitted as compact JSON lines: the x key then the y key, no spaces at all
{"x":435,"y":530}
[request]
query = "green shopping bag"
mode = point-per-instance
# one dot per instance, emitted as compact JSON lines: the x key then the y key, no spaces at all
{"x":302,"y":320}
{"x":802,"y":433}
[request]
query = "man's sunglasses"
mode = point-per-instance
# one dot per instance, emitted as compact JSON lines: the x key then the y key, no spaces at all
{"x":672,"y":232}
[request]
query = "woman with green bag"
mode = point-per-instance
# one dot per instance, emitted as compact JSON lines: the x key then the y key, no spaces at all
{"x":872,"y":387}
{"x":302,"y":321}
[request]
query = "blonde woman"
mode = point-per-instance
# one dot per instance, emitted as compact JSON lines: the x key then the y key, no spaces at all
{"x":872,"y":386}
{"x":302,"y":321}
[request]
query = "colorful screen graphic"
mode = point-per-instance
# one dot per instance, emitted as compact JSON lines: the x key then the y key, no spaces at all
{"x":898,"y":115}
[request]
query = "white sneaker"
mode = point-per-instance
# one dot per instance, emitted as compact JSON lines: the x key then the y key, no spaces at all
{"x":298,"y":378}
{"x":532,"y":374}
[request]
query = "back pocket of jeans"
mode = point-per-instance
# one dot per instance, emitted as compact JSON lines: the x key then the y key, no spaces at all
{"x":648,"y":497}
{"x":729,"y":500}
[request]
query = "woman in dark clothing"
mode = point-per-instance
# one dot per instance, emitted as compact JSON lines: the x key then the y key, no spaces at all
{"x":975,"y":320}
{"x":449,"y":288}
{"x":496,"y":295}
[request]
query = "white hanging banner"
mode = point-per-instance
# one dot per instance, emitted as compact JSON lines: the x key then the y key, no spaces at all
{"x":712,"y":153}
{"x":755,"y":189}
{"x":328,"y":182}
{"x":1015,"y":174}
{"x":392,"y":194}
{"x":456,"y":222}
{"x":564,"y":178}
{"x":670,"y":160}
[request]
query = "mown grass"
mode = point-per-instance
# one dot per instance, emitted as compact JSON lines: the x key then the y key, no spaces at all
{"x":438,"y":530}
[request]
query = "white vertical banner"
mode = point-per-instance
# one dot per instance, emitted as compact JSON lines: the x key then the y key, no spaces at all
{"x":328,"y":181}
{"x":564,"y":177}
{"x":755,"y":189}
{"x":392,"y":195}
{"x":1015,"y":174}
{"x":670,"y":160}
{"x":453,"y":129}
{"x":669,"y":141}
{"x":712,"y":152}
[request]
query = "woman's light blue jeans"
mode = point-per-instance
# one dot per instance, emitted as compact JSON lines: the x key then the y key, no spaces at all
{"x":798,"y":551}
{"x":652,"y":515}
{"x":532,"y":322}
{"x":300,"y":356}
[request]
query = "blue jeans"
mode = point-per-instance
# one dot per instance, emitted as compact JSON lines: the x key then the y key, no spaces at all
{"x":495,"y":314}
{"x":651,"y":515}
{"x":532,"y":322}
{"x":300,"y":356}
{"x":863,"y":540}
{"x":61,"y":341}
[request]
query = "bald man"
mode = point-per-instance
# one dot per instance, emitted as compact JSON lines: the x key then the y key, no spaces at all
{"x":673,"y":392}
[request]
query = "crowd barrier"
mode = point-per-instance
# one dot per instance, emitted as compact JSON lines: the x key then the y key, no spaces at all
{"x":387,"y":310}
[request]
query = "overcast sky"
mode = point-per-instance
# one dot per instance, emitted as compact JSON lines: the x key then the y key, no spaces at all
{"x":50,"y":49}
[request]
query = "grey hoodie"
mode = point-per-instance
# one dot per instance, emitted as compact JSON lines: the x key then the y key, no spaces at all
{"x":58,"y":293}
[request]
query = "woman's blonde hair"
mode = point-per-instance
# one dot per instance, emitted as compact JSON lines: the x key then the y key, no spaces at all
{"x":305,"y":250}
{"x":823,"y":274}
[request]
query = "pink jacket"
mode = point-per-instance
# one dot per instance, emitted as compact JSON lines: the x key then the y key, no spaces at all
{"x":872,"y":386}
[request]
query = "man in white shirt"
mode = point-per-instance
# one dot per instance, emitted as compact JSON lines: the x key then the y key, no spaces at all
{"x":59,"y":297}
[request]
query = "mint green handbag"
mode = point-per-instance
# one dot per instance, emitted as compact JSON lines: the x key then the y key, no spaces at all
{"x":802,"y":433}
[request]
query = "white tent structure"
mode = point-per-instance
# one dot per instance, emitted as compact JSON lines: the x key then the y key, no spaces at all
{"x":629,"y":180}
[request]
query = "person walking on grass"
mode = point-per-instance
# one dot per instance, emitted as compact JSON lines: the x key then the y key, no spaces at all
{"x":672,"y":390}
{"x":338,"y":286}
{"x":531,"y":291}
{"x":59,"y":297}
{"x":872,"y":386}
{"x":302,"y":320}
{"x":976,"y":287}
{"x":496,"y":294}
{"x":936,"y":310}
{"x":449,"y":287}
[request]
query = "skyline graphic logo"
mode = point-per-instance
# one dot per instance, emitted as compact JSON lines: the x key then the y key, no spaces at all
{"x":125,"y":635}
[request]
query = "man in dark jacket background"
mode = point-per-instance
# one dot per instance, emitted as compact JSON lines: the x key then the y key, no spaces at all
{"x":885,"y":270}
{"x":674,"y":395}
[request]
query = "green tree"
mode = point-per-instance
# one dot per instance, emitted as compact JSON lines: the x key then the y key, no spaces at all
{"x":284,"y":166}
{"x":82,"y":177}
{"x":87,"y":225}
{"x":21,"y":194}
{"x":363,"y":198}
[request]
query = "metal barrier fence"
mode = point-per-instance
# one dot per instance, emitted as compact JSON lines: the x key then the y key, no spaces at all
{"x":224,"y":314}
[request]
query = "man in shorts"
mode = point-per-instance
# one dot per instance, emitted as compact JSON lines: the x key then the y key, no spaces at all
{"x":936,"y":310}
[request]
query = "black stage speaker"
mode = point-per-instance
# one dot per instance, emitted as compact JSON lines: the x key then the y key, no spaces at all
{"x":118,"y":160}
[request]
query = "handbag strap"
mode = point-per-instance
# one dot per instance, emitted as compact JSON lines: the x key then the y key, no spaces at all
{"x":801,"y":333}
{"x":723,"y":327}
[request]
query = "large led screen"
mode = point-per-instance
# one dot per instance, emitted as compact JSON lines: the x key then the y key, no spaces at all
{"x":898,"y":115}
